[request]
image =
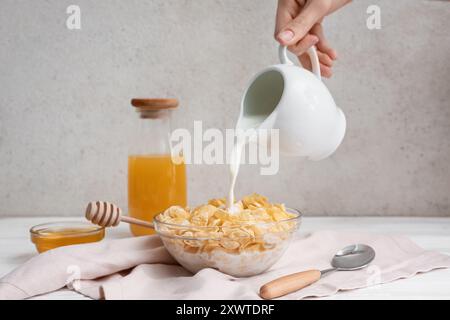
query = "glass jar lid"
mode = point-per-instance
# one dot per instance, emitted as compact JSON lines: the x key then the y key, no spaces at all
{"x":153,"y":108}
{"x":154,"y":104}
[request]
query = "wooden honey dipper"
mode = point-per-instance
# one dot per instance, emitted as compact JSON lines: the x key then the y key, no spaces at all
{"x":107,"y":214}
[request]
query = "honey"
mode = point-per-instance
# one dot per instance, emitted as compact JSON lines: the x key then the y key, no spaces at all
{"x":155,"y":183}
{"x":54,"y":235}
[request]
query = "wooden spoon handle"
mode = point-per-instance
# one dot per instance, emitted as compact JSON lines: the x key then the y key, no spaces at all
{"x":142,"y":223}
{"x":287,"y":284}
{"x":107,"y":214}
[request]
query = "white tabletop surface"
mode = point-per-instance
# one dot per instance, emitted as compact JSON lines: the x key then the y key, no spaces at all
{"x":430,"y":233}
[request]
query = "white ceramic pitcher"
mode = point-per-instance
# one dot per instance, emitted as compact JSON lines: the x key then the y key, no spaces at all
{"x":295,"y":101}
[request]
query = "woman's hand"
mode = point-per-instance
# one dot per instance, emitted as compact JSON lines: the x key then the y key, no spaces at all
{"x":298,"y":26}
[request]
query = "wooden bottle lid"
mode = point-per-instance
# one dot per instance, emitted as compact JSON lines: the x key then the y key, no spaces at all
{"x":154,"y":104}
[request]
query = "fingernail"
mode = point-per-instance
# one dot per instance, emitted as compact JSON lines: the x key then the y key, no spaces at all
{"x":334,"y":54}
{"x":287,"y":35}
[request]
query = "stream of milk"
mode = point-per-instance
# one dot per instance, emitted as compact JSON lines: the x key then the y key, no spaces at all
{"x":235,"y":162}
{"x":252,"y":123}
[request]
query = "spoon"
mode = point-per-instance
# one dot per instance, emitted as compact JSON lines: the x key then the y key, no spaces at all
{"x":350,"y":258}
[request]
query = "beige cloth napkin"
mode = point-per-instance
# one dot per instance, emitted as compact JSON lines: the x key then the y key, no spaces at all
{"x":141,"y":268}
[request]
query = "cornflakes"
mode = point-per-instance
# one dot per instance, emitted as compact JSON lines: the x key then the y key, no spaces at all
{"x":212,"y":227}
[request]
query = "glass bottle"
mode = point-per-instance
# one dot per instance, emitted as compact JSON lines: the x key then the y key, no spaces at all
{"x":155,"y":182}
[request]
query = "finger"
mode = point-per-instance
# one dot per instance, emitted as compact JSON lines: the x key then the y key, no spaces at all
{"x":304,"y":44}
{"x":325,"y":71}
{"x":299,"y":27}
{"x":325,"y":59}
{"x":282,"y":19}
{"x":323,"y":45}
{"x":286,"y":11}
{"x":305,"y":61}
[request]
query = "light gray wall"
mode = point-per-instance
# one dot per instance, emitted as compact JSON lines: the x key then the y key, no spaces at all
{"x":65,"y":116}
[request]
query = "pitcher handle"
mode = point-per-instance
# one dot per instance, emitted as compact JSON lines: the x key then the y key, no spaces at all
{"x":312,"y":53}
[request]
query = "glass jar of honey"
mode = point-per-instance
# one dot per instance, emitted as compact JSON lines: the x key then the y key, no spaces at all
{"x":156,"y":180}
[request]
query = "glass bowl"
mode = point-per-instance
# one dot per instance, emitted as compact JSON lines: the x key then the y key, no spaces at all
{"x":240,"y":250}
{"x":58,"y":234}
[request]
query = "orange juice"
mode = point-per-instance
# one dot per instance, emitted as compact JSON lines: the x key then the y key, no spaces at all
{"x":154,"y":184}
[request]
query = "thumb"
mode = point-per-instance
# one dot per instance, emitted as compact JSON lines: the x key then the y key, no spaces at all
{"x":297,"y":28}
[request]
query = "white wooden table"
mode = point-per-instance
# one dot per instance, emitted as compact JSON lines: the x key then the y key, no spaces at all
{"x":430,"y":233}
